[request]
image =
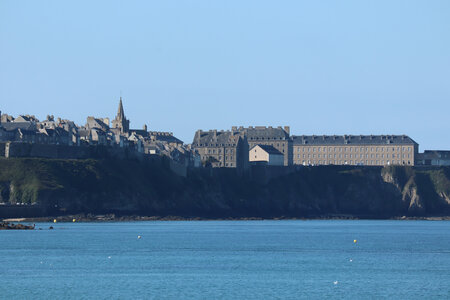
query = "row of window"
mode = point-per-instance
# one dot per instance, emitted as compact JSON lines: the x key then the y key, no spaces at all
{"x":272,"y":144}
{"x":205,"y":157}
{"x":350,"y":149}
{"x":356,"y":162}
{"x":213,"y":151}
{"x":354,"y":155}
{"x":225,"y":165}
{"x":216,"y":145}
{"x":266,"y":138}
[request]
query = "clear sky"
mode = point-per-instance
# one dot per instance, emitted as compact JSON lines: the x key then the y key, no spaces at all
{"x":322,"y":67}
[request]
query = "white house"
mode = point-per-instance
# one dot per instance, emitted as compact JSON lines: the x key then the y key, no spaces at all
{"x":266,"y":154}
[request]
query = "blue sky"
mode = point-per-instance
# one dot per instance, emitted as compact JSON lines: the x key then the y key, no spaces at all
{"x":322,"y":67}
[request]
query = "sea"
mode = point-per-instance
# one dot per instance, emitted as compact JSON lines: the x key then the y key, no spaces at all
{"x":273,"y":259}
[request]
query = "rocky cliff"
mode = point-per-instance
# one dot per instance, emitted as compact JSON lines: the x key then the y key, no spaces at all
{"x":150,"y":188}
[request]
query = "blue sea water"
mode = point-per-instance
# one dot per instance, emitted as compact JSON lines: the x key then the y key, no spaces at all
{"x":228,"y":260}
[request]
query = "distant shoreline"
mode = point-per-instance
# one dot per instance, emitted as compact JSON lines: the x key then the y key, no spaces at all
{"x":112,"y":218}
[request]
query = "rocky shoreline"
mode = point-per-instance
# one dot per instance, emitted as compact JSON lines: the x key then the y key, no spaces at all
{"x":12,"y":226}
{"x":132,"y":218}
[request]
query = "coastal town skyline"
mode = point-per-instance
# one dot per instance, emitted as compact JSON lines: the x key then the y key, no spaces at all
{"x":189,"y":139}
{"x":237,"y":147}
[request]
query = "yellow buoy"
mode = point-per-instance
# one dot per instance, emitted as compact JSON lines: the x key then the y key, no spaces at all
{"x":54,"y":220}
{"x":73,"y":220}
{"x":355,"y":241}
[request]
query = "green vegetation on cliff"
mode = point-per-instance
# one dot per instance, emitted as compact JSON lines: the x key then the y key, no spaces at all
{"x":150,"y":188}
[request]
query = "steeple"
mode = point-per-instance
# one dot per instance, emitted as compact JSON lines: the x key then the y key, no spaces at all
{"x":121,"y":121}
{"x":120,"y":113}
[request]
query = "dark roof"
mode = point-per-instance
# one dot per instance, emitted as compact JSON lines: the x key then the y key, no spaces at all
{"x":264,"y":133}
{"x":10,"y":126}
{"x":215,"y":138}
{"x":436,"y":154}
{"x":168,"y":139}
{"x":269,"y":149}
{"x":352,"y":140}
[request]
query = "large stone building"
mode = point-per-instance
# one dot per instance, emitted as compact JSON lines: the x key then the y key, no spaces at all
{"x":369,"y":150}
{"x":277,"y":137}
{"x":227,"y":149}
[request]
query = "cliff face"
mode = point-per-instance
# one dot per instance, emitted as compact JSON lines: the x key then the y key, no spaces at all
{"x":150,"y":188}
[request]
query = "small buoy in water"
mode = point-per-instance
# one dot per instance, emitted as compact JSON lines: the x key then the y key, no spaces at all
{"x":335,"y":282}
{"x":51,"y":227}
{"x":73,"y":220}
{"x":355,"y":241}
{"x":54,"y":220}
{"x":351,"y":260}
{"x":139,"y":236}
{"x":109,"y":257}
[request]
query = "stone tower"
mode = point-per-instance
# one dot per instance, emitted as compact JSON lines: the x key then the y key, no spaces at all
{"x":121,"y":121}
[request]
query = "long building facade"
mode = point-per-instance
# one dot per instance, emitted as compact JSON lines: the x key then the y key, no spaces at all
{"x":367,"y":150}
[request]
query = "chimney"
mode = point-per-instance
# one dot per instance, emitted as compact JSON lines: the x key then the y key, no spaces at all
{"x":287,"y":129}
{"x":144,"y":127}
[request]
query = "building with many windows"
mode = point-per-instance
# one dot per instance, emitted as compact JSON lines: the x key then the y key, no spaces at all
{"x":227,"y":149}
{"x":277,"y":137}
{"x":368,"y":150}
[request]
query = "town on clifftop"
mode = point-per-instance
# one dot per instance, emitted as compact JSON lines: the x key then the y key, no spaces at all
{"x":238,"y":147}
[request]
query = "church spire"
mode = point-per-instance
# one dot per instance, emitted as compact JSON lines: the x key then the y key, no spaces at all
{"x":120,"y":113}
{"x":120,"y":121}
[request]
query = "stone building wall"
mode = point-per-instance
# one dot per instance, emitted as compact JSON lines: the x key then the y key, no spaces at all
{"x":373,"y":155}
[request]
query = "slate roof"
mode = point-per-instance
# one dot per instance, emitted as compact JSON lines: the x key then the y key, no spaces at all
{"x":264,"y":133}
{"x":352,"y":139}
{"x":10,"y":126}
{"x":436,"y":154}
{"x":214,"y":138}
{"x":269,"y":149}
{"x":167,"y":138}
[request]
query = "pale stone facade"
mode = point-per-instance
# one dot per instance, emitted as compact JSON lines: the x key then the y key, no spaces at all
{"x":354,"y":150}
